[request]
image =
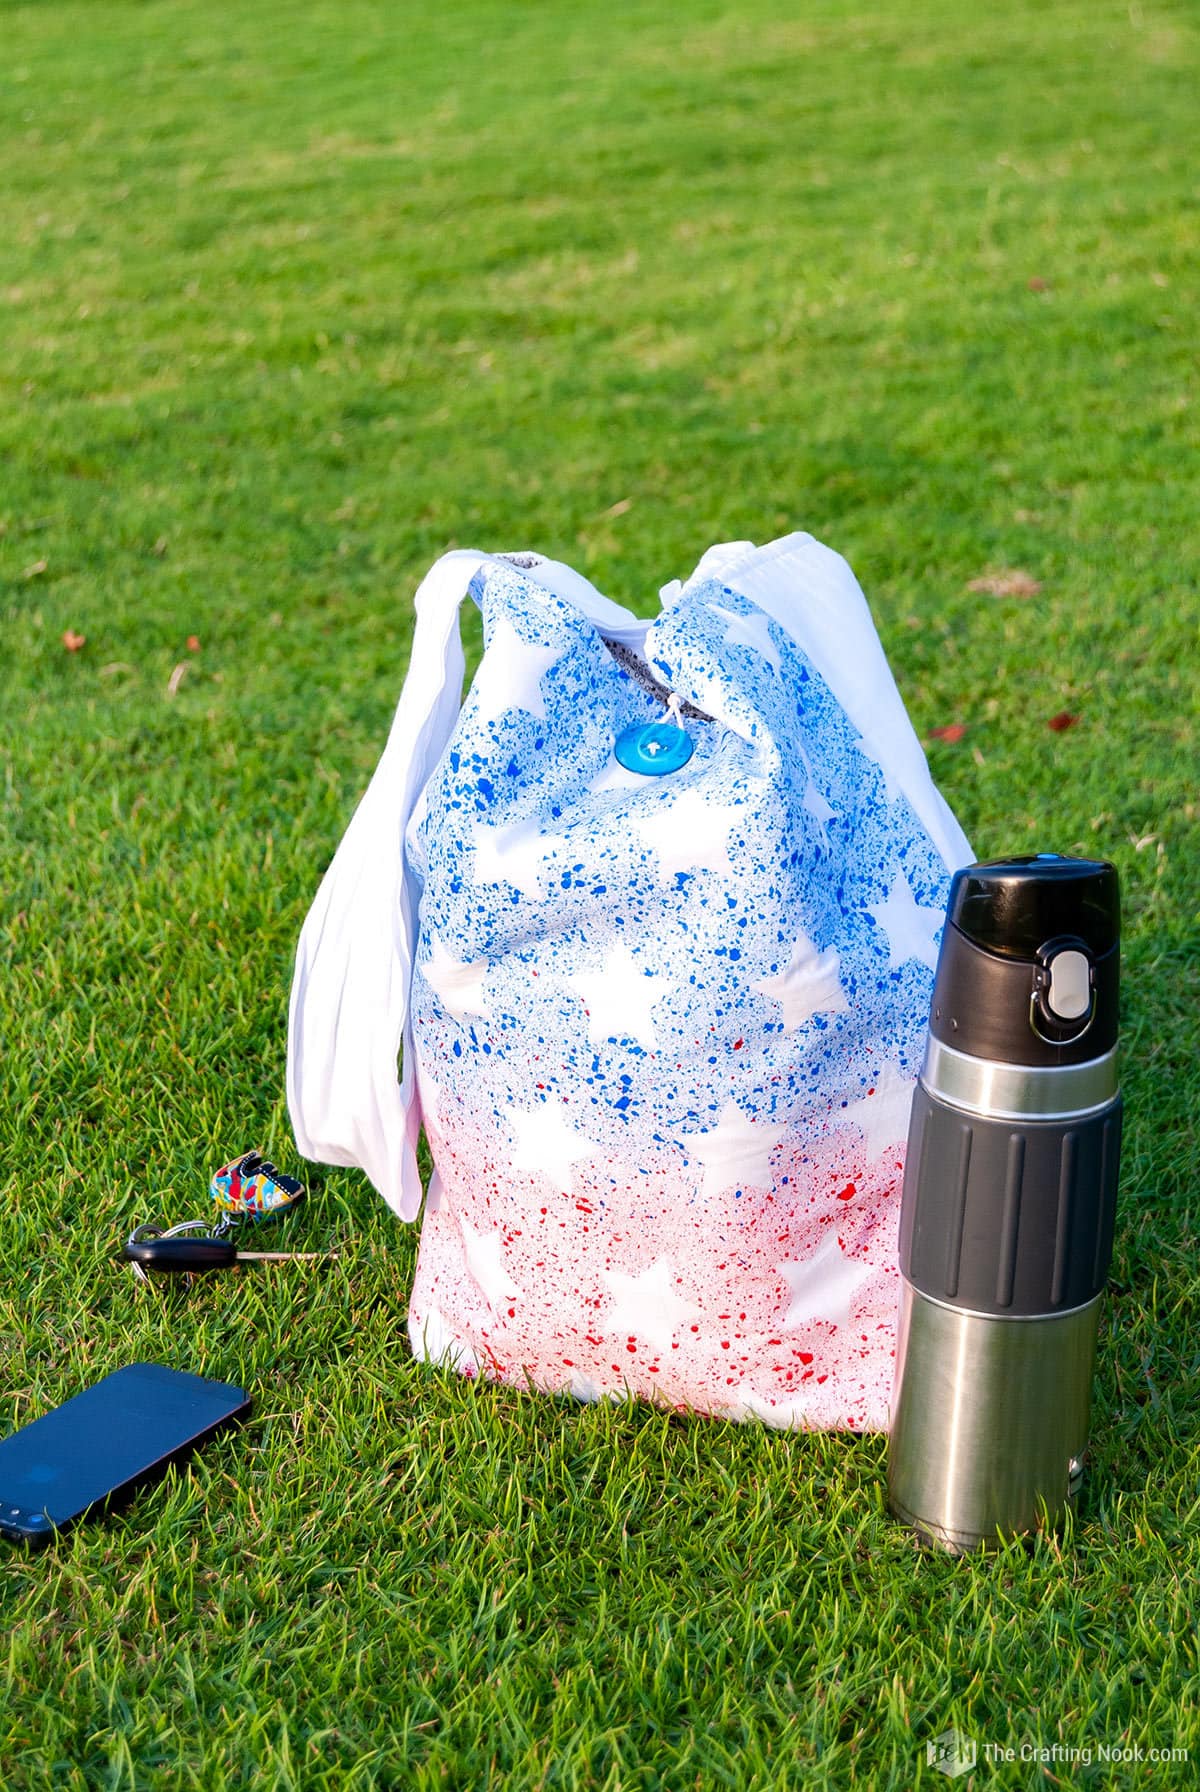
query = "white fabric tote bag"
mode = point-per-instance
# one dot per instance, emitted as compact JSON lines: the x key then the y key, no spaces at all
{"x":660,"y":1017}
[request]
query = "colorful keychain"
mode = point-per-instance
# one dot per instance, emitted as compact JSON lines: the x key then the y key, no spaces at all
{"x":252,"y":1189}
{"x":248,"y":1191}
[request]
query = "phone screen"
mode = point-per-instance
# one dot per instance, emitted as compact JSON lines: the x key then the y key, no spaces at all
{"x":114,"y":1434}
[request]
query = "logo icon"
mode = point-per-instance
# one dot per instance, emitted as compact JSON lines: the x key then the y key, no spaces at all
{"x":951,"y":1753}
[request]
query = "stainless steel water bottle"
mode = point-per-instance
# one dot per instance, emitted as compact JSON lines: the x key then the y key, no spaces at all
{"x":1009,"y":1193}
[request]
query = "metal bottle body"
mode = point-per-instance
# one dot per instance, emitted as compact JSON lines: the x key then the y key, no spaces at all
{"x":990,"y":1420}
{"x":1008,"y":1207}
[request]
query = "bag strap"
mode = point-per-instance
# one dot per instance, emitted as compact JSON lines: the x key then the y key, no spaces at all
{"x":348,"y":1017}
{"x":812,"y":593}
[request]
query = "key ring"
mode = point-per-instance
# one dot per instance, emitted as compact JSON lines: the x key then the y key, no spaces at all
{"x":151,"y":1247}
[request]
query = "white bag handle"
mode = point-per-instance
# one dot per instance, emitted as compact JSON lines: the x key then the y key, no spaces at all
{"x":811,"y":591}
{"x":349,"y":1011}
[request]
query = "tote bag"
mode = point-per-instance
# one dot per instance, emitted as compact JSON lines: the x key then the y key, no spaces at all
{"x":661,"y":1030}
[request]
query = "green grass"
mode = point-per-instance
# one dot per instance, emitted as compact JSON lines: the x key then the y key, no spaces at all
{"x":291,"y":299}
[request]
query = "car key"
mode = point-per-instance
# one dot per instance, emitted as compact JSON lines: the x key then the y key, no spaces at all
{"x":191,"y":1249}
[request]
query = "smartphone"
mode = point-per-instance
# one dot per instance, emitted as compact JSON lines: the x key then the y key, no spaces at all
{"x":100,"y":1446}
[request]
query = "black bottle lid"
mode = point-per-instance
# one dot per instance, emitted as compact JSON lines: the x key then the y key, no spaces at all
{"x":1013,"y":906}
{"x":1029,"y":967}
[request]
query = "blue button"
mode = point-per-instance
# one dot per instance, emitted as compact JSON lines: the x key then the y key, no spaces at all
{"x":653,"y":748}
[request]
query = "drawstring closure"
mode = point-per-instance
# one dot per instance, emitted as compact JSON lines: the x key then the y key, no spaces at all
{"x":636,"y":668}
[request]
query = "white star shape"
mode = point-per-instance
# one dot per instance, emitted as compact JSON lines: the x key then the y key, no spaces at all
{"x":618,"y":998}
{"x":615,"y":776}
{"x":546,"y":1144}
{"x":813,"y":802}
{"x":434,"y":1342}
{"x":737,"y":1150}
{"x":430,"y":1095}
{"x":509,"y":675}
{"x":457,"y":984}
{"x":809,"y":984}
{"x":648,"y":1305}
{"x":883,"y":1117}
{"x":514,"y":855}
{"x":823,"y":1286}
{"x":751,"y":630}
{"x":793,"y":1412}
{"x":879,"y":759}
{"x":689,"y":833}
{"x":484,"y":1253}
{"x":912,"y":929}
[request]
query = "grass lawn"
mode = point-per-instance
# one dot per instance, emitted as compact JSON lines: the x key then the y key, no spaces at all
{"x":291,"y":299}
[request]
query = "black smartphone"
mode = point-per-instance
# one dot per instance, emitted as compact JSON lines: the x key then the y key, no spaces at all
{"x":99,"y":1446}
